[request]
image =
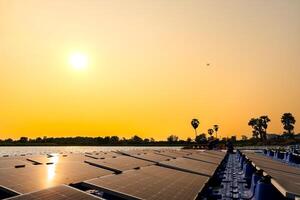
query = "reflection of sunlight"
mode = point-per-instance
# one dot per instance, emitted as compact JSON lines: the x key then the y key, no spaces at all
{"x":52,"y":167}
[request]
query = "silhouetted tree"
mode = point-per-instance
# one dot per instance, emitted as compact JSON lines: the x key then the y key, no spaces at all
{"x":210,"y":132}
{"x":23,"y":139}
{"x":233,"y":138}
{"x":288,"y":122}
{"x":188,"y":140}
{"x":172,"y":138}
{"x":201,"y":138}
{"x":106,"y":139}
{"x":195,"y":123}
{"x":259,"y":126}
{"x":9,"y":140}
{"x":244,"y":137}
{"x":114,"y":139}
{"x":253,"y":123}
{"x":216,"y":128}
{"x":264,"y":120}
{"x":136,"y":139}
{"x":38,"y":140}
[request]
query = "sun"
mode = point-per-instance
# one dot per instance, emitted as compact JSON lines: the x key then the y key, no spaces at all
{"x":78,"y":61}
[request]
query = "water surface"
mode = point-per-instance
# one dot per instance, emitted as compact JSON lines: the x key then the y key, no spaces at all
{"x":34,"y":150}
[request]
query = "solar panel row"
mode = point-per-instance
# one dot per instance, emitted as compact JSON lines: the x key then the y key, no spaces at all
{"x":286,"y":178}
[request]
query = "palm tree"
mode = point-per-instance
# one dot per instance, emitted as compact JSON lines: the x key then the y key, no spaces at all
{"x":195,"y":123}
{"x":216,"y":128}
{"x":288,"y":122}
{"x":210,"y":131}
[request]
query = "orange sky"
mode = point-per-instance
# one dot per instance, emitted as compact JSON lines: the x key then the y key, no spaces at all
{"x":147,"y":72}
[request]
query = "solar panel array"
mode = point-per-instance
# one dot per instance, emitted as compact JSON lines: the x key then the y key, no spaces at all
{"x":119,"y":164}
{"x":61,"y":192}
{"x":176,"y":178}
{"x":152,"y":182}
{"x":288,"y":177}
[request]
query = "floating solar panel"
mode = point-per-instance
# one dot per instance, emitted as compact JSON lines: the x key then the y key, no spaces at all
{"x":37,"y":177}
{"x":151,"y":157}
{"x":119,"y":164}
{"x":57,"y":193}
{"x":136,"y":152}
{"x":192,"y":166}
{"x":207,"y":153}
{"x":284,"y":177}
{"x":204,"y":158}
{"x":73,"y":158}
{"x":151,"y":182}
{"x":220,"y":154}
{"x":269,"y":163}
{"x":102,"y":155}
{"x":172,"y":154}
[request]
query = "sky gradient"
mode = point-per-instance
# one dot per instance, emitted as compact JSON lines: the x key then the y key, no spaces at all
{"x":147,"y":72}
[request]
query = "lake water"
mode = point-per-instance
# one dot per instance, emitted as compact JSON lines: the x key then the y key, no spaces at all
{"x":35,"y":150}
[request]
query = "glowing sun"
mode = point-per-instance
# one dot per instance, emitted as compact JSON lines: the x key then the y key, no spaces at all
{"x":78,"y":61}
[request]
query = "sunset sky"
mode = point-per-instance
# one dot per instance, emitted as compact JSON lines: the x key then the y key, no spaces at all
{"x":145,"y":66}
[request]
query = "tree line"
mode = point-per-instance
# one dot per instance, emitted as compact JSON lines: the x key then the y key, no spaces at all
{"x":95,"y":141}
{"x":259,"y":126}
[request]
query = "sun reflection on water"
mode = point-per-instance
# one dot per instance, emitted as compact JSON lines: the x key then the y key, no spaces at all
{"x":51,"y":168}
